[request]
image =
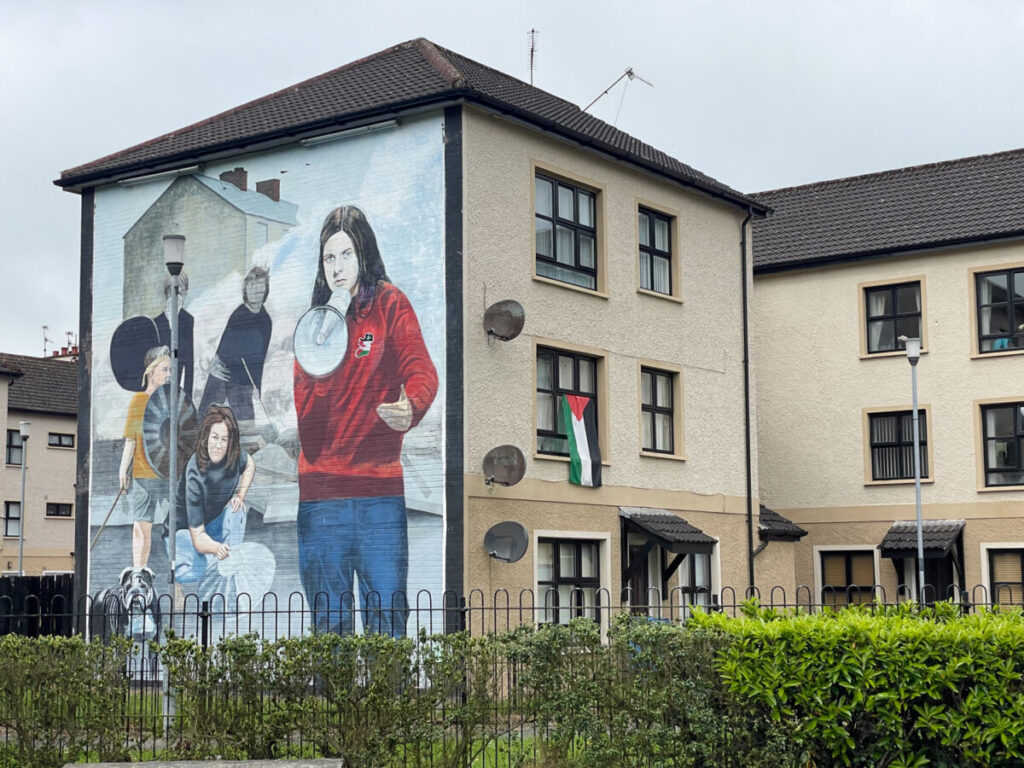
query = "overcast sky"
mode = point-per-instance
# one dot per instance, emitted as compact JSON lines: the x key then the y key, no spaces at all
{"x":759,"y":95}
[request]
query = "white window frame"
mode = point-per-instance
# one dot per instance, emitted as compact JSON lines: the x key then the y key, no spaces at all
{"x":820,"y":548}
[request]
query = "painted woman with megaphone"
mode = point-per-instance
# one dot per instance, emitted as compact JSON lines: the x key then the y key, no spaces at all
{"x":352,"y":417}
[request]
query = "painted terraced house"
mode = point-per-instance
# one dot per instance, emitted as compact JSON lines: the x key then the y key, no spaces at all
{"x":843,"y":268}
{"x":633,"y":271}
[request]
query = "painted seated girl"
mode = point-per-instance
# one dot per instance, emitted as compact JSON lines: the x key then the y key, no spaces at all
{"x":217,"y":480}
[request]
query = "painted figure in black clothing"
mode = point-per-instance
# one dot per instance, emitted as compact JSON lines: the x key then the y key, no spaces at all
{"x":186,"y":367}
{"x":237,"y":369}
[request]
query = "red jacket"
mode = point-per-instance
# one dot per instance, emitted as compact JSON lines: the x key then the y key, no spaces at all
{"x":347,"y":451}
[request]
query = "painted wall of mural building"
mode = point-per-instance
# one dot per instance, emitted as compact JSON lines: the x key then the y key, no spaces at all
{"x":311,"y":378}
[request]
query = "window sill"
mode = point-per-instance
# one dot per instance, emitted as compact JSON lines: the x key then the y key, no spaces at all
{"x":1000,"y":353}
{"x":14,"y":466}
{"x":62,"y":447}
{"x":997,"y":488}
{"x":895,"y":353}
{"x":659,"y":295}
{"x":564,"y":459}
{"x":58,"y":517}
{"x":924,"y":481}
{"x":549,"y":281}
{"x":669,"y":456}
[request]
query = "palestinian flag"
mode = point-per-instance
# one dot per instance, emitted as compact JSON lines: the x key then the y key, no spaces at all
{"x":579,"y":418}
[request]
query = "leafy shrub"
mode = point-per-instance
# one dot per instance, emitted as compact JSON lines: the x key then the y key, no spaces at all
{"x":889,"y":687}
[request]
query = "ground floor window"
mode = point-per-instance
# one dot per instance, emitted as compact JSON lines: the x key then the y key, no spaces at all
{"x":695,"y":579}
{"x":1006,"y":569}
{"x":568,"y":579}
{"x":847,"y":577}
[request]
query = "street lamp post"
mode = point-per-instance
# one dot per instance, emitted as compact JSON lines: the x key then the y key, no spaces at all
{"x":25,"y":427}
{"x":913,"y":356}
{"x":174,"y":260}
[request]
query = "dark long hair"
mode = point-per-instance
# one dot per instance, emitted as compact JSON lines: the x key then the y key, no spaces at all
{"x":352,"y":222}
{"x":218,"y":414}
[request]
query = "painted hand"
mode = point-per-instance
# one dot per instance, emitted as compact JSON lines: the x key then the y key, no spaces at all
{"x":237,"y":503}
{"x":223,"y":551}
{"x":397,"y":415}
{"x":218,"y":370}
{"x":126,"y":481}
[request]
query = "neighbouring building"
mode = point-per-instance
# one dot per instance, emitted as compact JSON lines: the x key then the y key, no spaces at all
{"x":43,"y":392}
{"x":633,"y":270}
{"x":843,"y":269}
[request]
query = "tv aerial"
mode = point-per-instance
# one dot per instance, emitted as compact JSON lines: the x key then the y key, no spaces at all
{"x":504,"y":465}
{"x":506,"y":541}
{"x":631,"y":75}
{"x":504,"y":320}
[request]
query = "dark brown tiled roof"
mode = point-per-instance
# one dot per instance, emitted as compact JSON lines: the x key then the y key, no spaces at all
{"x":926,"y":206}
{"x":939,"y":538}
{"x":406,"y":76}
{"x":42,"y":384}
{"x":774,"y":526}
{"x":673,"y":533}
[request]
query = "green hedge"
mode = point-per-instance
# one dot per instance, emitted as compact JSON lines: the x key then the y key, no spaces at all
{"x":858,"y":687}
{"x":884,"y":686}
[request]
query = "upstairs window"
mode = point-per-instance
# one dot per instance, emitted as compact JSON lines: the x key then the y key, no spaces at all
{"x":58,"y":510}
{"x":1000,"y":297}
{"x":892,"y":445}
{"x":892,"y":311}
{"x":657,"y":410}
{"x":12,"y":518}
{"x":60,"y":440}
{"x":565,"y":228}
{"x":560,"y":373}
{"x":14,"y":447}
{"x":1003,"y":437}
{"x":655,"y":235}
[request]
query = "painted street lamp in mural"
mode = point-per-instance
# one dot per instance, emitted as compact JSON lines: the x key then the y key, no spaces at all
{"x":174,"y":260}
{"x":25,"y":427}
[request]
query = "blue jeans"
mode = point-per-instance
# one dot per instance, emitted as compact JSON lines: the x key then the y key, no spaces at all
{"x":368,"y":538}
{"x":190,"y":565}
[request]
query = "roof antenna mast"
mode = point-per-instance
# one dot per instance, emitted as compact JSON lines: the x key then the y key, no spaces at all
{"x":628,"y":73}
{"x":532,"y":34}
{"x":46,"y":339}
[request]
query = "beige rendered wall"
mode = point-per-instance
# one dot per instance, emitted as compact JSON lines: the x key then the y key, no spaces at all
{"x":50,"y":477}
{"x":813,"y":385}
{"x":700,"y":335}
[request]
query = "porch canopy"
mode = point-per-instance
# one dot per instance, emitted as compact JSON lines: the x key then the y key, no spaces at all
{"x":940,"y":539}
{"x":662,"y":529}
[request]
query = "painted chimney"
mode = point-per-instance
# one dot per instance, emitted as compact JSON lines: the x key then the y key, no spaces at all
{"x":238,"y":177}
{"x":271,"y":188}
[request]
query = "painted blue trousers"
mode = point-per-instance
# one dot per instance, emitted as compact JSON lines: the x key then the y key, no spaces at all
{"x":189,"y":565}
{"x":367,"y":538}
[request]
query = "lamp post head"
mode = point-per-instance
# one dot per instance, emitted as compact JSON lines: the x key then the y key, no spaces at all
{"x":25,"y":427}
{"x":913,"y":349}
{"x":174,"y":253}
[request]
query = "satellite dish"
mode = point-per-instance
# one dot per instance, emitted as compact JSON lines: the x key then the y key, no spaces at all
{"x":320,"y":340}
{"x":504,"y":320}
{"x":131,"y":341}
{"x":504,"y":465}
{"x":156,"y":430}
{"x":506,"y":541}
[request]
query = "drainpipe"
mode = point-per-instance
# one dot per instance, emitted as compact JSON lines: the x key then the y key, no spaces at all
{"x":746,"y":398}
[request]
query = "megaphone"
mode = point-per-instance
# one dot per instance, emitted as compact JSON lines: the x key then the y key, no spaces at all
{"x":320,"y":340}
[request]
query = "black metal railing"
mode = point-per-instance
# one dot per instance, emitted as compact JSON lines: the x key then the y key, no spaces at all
{"x":139,"y":715}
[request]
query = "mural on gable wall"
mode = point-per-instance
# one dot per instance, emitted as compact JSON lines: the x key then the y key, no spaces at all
{"x":311,"y":378}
